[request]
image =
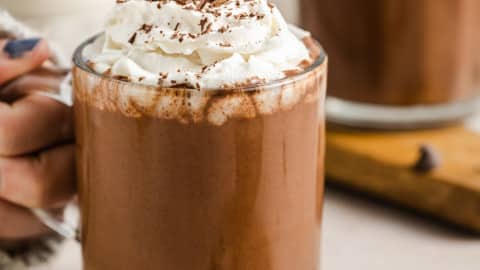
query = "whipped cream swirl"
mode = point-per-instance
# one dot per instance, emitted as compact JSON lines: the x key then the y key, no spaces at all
{"x":203,"y":44}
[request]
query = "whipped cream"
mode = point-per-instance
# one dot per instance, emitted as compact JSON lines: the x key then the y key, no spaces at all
{"x":204,"y":44}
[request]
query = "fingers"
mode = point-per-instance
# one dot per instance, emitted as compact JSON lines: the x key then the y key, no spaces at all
{"x":11,"y":67}
{"x":41,"y":79}
{"x":44,"y":181}
{"x":18,"y":223}
{"x":29,"y":124}
{"x":32,"y":123}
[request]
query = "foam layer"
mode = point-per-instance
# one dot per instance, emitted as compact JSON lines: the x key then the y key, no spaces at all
{"x":197,"y":43}
{"x":196,"y":106}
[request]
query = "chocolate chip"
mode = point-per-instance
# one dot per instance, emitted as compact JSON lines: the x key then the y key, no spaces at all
{"x":428,"y":161}
{"x":132,"y":38}
{"x":202,"y":24}
{"x":146,"y":27}
{"x":217,"y":3}
{"x":122,"y":78}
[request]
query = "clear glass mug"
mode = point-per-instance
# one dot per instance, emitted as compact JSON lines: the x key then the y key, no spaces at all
{"x":399,"y":64}
{"x":180,"y":179}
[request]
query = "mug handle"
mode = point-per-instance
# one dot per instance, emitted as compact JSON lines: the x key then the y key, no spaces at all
{"x":62,"y":228}
{"x":64,"y":96}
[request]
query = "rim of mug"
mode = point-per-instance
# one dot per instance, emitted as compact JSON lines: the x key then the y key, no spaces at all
{"x":80,"y":62}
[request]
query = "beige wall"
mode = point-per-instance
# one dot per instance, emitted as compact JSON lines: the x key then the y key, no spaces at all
{"x":289,"y":9}
{"x":65,"y":22}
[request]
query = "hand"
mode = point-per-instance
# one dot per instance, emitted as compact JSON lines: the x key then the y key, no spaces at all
{"x":36,"y":146}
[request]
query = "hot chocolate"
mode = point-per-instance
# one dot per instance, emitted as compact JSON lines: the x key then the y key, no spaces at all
{"x":174,"y":194}
{"x":408,"y":52}
{"x":176,"y":175}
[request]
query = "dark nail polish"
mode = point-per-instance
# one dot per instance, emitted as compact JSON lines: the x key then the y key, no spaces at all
{"x":16,"y":48}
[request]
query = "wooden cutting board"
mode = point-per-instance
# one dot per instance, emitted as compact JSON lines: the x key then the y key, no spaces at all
{"x":381,"y":163}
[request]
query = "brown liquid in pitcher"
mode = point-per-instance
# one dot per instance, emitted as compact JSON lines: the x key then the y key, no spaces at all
{"x":395,"y":52}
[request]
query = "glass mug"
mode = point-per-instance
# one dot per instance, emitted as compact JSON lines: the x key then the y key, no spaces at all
{"x":399,"y":64}
{"x":181,"y":179}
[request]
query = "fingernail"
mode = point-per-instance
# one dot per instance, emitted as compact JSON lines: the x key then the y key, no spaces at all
{"x":16,"y":48}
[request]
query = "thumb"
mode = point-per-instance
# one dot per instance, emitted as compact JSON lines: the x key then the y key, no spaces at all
{"x":18,"y":57}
